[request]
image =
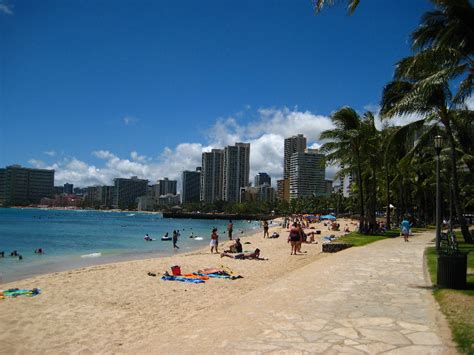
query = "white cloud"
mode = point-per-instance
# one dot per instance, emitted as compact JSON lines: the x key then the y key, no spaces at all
{"x":51,"y":153}
{"x":265,"y":134}
{"x":130,"y":120}
{"x":6,"y":9}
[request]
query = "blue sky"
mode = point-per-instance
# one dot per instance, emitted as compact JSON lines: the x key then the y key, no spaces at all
{"x":97,"y":89}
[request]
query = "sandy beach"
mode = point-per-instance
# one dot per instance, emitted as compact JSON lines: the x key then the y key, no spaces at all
{"x":118,"y":307}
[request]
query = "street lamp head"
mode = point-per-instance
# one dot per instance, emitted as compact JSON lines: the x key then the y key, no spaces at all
{"x":438,"y":143}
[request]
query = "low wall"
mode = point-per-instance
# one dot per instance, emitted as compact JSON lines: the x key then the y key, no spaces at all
{"x":335,"y":247}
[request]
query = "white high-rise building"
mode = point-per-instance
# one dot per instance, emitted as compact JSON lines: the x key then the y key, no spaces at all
{"x":295,"y":144}
{"x":236,"y":170}
{"x":212,"y":175}
{"x":307,"y":174}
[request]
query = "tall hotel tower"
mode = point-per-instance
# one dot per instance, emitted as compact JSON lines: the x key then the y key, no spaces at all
{"x":212,"y":175}
{"x":236,"y":170}
{"x":307,"y":173}
{"x":295,"y":144}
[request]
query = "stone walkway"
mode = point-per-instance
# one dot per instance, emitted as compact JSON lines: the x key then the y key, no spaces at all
{"x":372,"y":299}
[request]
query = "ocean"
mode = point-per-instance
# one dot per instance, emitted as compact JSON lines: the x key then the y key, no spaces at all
{"x":72,"y":239}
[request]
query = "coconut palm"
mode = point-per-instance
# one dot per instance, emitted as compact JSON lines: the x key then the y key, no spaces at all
{"x":344,"y":147}
{"x":445,"y":41}
{"x":413,"y":94}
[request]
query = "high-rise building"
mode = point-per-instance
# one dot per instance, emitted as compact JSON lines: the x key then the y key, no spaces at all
{"x":167,"y":186}
{"x":307,"y":172}
{"x":236,"y":170}
{"x":23,"y":186}
{"x":191,"y":186}
{"x":68,"y":188}
{"x":212,"y":175}
{"x":295,"y":144}
{"x":128,"y":190}
{"x":106,"y":195}
{"x":261,"y":193}
{"x":263,"y":178}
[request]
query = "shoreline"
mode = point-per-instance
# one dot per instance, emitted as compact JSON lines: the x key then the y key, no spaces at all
{"x":60,"y":264}
{"x":119,"y":308}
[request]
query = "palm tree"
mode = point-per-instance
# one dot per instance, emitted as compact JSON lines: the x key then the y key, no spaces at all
{"x":351,"y":5}
{"x":410,"y":93}
{"x":445,"y":40}
{"x":344,"y":147}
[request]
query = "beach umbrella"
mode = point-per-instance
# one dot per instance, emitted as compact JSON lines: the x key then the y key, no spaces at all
{"x":329,"y":216}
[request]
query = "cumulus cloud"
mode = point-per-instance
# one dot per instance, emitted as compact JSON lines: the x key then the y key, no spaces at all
{"x":266,"y":134}
{"x":6,"y":9}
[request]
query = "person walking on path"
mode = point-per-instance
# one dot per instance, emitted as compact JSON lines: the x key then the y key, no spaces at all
{"x":175,"y":239}
{"x":214,"y":240}
{"x":265,"y":229}
{"x":405,"y":228}
{"x":230,"y":228}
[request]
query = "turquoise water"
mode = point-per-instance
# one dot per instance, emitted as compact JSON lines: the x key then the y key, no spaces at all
{"x":68,"y":238}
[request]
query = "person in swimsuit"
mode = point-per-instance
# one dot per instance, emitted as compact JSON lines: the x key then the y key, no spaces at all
{"x":255,"y":255}
{"x":230,"y":228}
{"x":214,"y":240}
{"x":265,"y":229}
{"x":294,"y":238}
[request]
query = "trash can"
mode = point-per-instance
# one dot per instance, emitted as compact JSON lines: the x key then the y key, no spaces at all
{"x":452,"y":270}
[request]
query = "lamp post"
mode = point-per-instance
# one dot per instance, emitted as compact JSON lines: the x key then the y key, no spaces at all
{"x":438,"y":143}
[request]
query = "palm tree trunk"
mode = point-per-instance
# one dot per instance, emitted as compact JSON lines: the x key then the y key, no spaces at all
{"x":457,"y":205}
{"x":361,"y":196}
{"x":387,"y":186}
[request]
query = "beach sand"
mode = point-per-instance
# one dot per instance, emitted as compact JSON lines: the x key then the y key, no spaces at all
{"x":119,"y":308}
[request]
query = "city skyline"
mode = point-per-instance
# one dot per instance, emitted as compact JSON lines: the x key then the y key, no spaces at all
{"x":97,"y":102}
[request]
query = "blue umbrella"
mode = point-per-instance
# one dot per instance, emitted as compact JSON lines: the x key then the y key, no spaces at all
{"x":329,"y":216}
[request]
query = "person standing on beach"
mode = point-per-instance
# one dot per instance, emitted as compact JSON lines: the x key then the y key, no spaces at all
{"x":175,"y":239}
{"x":214,"y":240}
{"x":265,"y":229}
{"x":294,"y":238}
{"x":230,"y":228}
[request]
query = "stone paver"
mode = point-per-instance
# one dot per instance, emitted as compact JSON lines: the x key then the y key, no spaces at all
{"x":372,"y":299}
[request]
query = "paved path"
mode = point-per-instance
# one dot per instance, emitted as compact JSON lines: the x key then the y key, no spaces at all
{"x":372,"y":299}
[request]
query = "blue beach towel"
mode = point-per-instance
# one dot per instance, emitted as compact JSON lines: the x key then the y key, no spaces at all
{"x":15,"y":292}
{"x":182,"y":279}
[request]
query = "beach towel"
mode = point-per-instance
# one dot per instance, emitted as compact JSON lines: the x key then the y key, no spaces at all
{"x":222,"y":276}
{"x":15,"y":292}
{"x":182,"y":279}
{"x":197,"y":276}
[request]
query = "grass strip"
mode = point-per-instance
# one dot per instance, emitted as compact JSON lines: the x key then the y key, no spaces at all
{"x":457,"y":305}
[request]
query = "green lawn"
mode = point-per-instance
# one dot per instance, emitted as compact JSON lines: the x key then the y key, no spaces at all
{"x":457,"y":305}
{"x":358,"y":239}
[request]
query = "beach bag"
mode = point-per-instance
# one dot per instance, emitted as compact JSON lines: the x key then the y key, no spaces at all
{"x":176,"y":270}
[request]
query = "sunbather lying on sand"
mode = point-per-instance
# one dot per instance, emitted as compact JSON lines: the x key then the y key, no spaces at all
{"x":255,"y":255}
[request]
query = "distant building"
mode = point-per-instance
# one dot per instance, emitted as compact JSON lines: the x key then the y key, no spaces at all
{"x":191,"y":186}
{"x":169,"y":200}
{"x":79,"y":191}
{"x":58,"y":190}
{"x":236,"y":170}
{"x":146,"y":203}
{"x":167,"y":186}
{"x":294,"y":144}
{"x":24,"y":186}
{"x":307,"y":173}
{"x":91,"y":196}
{"x":68,"y":188}
{"x":105,"y":195}
{"x":263,"y":178}
{"x":329,"y":188}
{"x":261,"y":193}
{"x":128,"y":190}
{"x":212,"y":175}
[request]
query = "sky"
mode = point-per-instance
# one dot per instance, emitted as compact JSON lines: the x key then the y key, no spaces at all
{"x":104,"y":89}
